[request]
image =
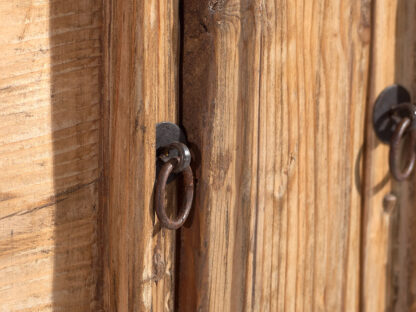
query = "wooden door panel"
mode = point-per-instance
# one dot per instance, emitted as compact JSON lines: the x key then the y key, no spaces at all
{"x":275,"y":99}
{"x":388,"y":225}
{"x":80,"y":101}
{"x":50,"y":98}
{"x":141,"y":89}
{"x":377,"y":220}
{"x":400,"y":269}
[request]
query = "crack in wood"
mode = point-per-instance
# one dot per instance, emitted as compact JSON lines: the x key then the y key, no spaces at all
{"x":55,"y":200}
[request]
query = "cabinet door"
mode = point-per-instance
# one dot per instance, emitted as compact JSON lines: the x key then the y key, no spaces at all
{"x":290,"y":210}
{"x":82,"y":85}
{"x":275,"y":99}
{"x":388,"y":222}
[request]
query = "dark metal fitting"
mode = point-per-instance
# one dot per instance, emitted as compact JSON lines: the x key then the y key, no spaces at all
{"x":395,"y":155}
{"x":160,"y":193}
{"x":183,"y":154}
{"x":173,"y":158}
{"x":394,"y":118}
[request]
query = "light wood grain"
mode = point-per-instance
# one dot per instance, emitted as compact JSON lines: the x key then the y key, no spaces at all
{"x":140,"y":90}
{"x":274,"y":101}
{"x":274,"y":98}
{"x":49,"y":155}
{"x":378,"y":218}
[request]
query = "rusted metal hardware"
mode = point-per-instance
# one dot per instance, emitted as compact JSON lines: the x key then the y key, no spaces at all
{"x":173,"y":158}
{"x":184,"y":156}
{"x":395,"y":155}
{"x":166,"y":134}
{"x":160,"y":191}
{"x":394,"y":121}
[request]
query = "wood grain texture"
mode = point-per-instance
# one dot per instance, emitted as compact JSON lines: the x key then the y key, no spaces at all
{"x":49,"y":155}
{"x":140,"y":90}
{"x":403,"y":279}
{"x":384,"y":234}
{"x":274,"y":99}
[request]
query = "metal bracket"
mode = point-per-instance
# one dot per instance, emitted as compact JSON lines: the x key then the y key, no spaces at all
{"x":172,"y":158}
{"x":167,"y":133}
{"x":387,"y":104}
{"x":394,"y":118}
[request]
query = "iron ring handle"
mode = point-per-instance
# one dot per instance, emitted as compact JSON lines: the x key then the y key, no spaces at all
{"x":394,"y":155}
{"x":160,"y":191}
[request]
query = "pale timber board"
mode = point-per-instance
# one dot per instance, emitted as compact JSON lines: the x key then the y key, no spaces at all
{"x":275,"y":99}
{"x":50,"y":97}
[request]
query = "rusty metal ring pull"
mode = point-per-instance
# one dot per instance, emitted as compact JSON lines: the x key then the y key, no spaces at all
{"x":394,"y":155}
{"x":394,"y":118}
{"x":175,"y":164}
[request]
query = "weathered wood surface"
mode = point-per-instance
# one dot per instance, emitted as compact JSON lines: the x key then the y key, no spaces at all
{"x":50,"y":95}
{"x":403,"y":281}
{"x":378,"y":212}
{"x":140,"y":90}
{"x":388,"y":278}
{"x":274,"y":98}
{"x":274,"y":103}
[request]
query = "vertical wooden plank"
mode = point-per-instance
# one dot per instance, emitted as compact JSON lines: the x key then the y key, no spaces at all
{"x":140,"y":90}
{"x":403,"y":280}
{"x":274,"y":104}
{"x":50,"y":100}
{"x":379,"y":213}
